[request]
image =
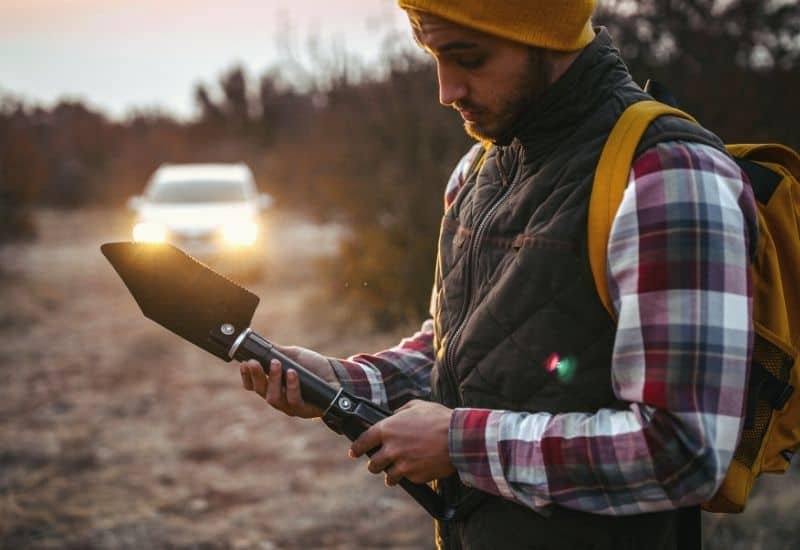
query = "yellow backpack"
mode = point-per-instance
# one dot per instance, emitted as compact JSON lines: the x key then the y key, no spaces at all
{"x":771,"y":432}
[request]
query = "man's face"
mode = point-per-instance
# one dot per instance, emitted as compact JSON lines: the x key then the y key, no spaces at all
{"x":490,"y":81}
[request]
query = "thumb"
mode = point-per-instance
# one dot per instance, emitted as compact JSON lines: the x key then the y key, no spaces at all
{"x":409,"y":405}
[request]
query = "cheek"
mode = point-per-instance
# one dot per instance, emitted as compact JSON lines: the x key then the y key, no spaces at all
{"x":497,"y":87}
{"x":482,"y":92}
{"x":511,"y":80}
{"x":493,"y":95}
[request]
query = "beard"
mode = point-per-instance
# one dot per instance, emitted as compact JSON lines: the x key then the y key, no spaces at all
{"x":531,"y":85}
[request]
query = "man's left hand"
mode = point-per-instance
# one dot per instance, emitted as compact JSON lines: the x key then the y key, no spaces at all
{"x":413,"y":443}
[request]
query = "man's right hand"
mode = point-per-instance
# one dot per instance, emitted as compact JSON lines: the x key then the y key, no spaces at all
{"x":286,"y":397}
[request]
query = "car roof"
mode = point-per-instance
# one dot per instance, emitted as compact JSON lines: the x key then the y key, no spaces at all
{"x":209,"y":171}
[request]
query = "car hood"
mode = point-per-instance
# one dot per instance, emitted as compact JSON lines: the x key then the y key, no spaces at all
{"x":196,"y":218}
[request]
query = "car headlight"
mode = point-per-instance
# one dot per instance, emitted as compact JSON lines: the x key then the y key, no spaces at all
{"x":149,"y":232}
{"x":240,"y":233}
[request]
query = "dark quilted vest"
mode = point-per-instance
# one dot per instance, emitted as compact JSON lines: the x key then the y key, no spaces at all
{"x":514,"y":289}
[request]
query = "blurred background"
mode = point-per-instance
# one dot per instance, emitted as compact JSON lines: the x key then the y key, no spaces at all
{"x":114,"y":433}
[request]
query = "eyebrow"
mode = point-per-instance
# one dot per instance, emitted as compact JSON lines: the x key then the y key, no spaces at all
{"x":456,"y":45}
{"x":448,"y":48}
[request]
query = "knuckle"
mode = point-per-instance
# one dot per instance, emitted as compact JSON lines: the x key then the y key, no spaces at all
{"x":380,"y":462}
{"x":415,"y":478}
{"x":291,"y":351}
{"x":400,"y":470}
{"x":396,"y":475}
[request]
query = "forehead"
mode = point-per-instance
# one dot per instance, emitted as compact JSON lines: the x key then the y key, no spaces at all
{"x":438,"y":35}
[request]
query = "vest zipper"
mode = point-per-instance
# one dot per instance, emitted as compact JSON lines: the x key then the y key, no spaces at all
{"x":472,"y":253}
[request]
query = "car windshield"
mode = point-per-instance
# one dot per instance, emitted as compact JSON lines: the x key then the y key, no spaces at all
{"x":198,"y":191}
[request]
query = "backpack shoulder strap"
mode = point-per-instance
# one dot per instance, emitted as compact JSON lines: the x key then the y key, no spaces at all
{"x":766,"y":165}
{"x":775,"y":153}
{"x":610,"y":180}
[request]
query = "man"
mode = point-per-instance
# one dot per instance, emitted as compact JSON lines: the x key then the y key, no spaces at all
{"x":580,"y":431}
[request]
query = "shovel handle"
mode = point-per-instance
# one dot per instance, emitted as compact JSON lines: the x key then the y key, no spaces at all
{"x":351,"y":413}
{"x":315,"y":390}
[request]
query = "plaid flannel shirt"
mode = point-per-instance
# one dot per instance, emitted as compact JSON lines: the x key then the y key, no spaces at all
{"x":679,"y":280}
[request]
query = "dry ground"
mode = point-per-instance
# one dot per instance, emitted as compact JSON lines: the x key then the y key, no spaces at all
{"x":116,"y":434}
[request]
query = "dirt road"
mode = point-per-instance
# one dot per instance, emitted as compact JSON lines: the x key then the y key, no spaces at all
{"x":116,"y":434}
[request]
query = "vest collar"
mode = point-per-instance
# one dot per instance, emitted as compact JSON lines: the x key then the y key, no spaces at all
{"x":585,"y":85}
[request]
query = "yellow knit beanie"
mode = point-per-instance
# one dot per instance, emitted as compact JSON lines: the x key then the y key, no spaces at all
{"x":563,"y":25}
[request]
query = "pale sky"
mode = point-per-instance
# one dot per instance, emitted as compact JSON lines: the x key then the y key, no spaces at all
{"x":121,"y":54}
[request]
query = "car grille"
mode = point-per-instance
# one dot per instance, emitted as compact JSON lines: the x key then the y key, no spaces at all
{"x":197,"y":242}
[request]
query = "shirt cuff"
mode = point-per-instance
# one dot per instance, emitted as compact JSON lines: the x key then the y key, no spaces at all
{"x":469,"y":453}
{"x":481,"y":444}
{"x":352,"y":377}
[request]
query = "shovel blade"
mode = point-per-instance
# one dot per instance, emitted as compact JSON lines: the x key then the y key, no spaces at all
{"x":180,"y":293}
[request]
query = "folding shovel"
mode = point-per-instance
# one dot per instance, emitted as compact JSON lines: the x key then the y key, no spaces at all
{"x":201,"y":306}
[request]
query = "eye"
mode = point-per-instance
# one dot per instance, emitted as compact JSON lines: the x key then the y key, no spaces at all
{"x":471,"y":61}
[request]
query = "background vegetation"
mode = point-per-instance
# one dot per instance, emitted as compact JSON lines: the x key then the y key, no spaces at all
{"x":115,"y":434}
{"x":371,"y":150}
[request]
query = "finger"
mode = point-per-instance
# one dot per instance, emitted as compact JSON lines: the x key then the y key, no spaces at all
{"x":247,"y":382}
{"x":394,"y":474}
{"x":258,"y":379}
{"x":407,"y":405}
{"x":293,"y":396}
{"x":292,"y":352}
{"x":367,"y":441}
{"x":275,"y":396}
{"x":379,"y":462}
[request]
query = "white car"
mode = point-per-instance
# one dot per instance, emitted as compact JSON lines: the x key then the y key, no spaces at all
{"x":211,"y":211}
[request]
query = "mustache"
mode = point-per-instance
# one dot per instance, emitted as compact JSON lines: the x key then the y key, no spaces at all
{"x":466,"y":105}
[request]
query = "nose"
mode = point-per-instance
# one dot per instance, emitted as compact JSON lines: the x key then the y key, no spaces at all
{"x":452,"y":86}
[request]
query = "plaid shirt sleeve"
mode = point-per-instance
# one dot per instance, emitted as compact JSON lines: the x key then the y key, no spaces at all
{"x":391,"y":378}
{"x":679,"y":279}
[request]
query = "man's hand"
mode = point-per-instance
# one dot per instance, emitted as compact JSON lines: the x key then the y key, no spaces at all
{"x":286,"y":397}
{"x":413,"y":443}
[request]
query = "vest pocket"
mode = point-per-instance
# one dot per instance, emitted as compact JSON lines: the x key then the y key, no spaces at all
{"x":453,"y":242}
